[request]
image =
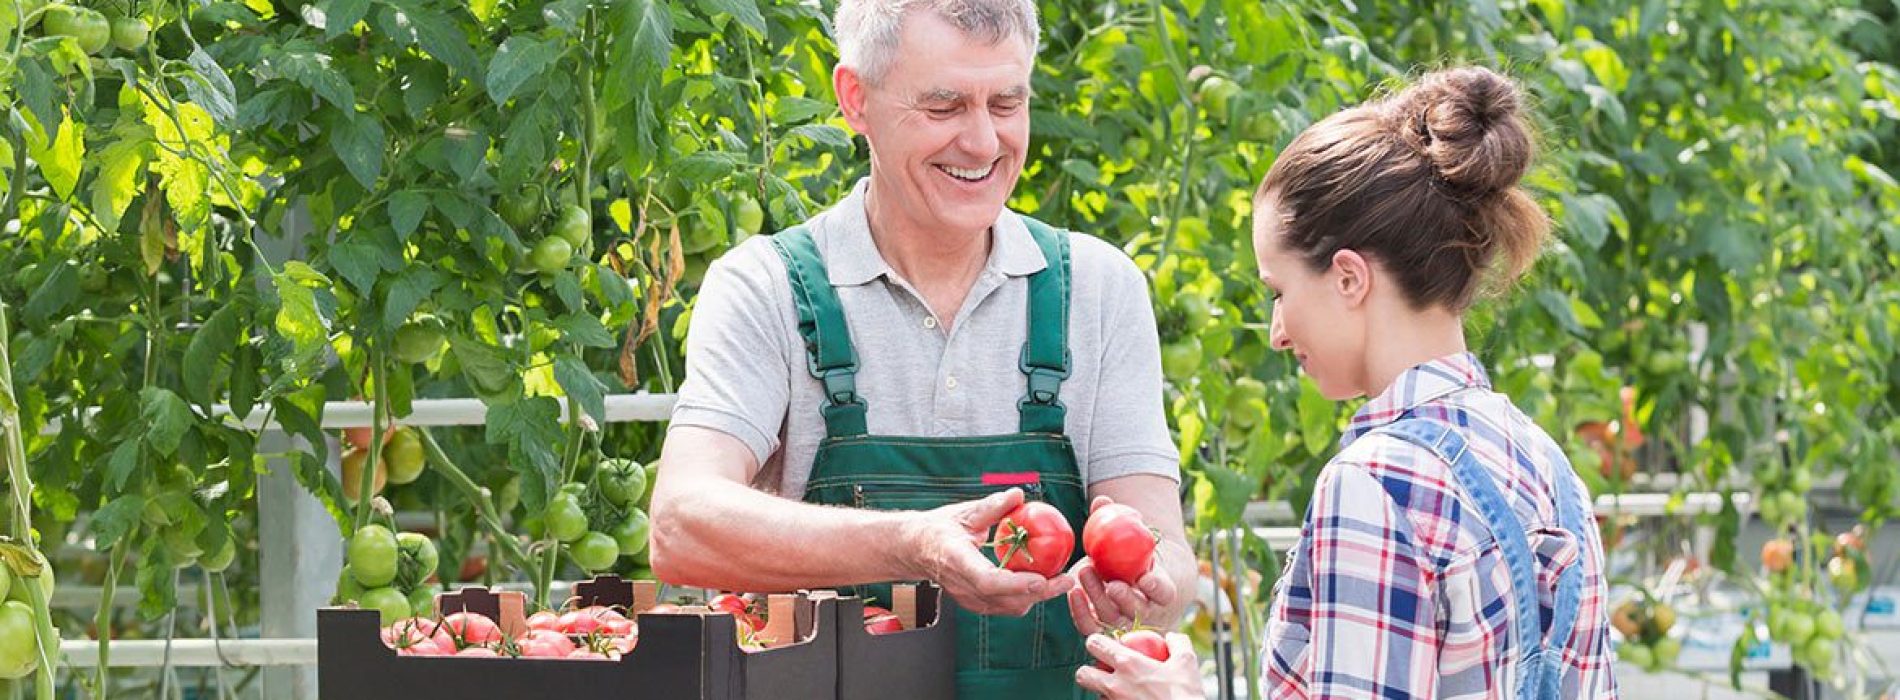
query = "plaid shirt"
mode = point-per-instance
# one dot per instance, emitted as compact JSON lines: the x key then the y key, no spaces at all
{"x":1397,"y":589}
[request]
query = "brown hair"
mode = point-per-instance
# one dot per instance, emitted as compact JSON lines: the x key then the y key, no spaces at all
{"x":1425,"y":181}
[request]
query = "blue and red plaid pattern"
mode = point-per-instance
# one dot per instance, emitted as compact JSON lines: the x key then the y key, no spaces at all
{"x":1397,"y":589}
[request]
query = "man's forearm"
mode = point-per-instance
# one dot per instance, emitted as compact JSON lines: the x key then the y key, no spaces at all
{"x":716,"y":533}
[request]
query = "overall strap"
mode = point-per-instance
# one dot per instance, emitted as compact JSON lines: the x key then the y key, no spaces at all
{"x":1045,"y":359}
{"x":1444,"y":441}
{"x":821,"y":323}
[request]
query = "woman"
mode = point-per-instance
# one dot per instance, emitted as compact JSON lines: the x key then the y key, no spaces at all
{"x":1448,"y":550}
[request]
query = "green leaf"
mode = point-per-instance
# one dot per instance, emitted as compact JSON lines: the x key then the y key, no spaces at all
{"x":1318,"y":418}
{"x":487,"y":368}
{"x":40,"y":93}
{"x":297,"y":316}
{"x":564,"y":15}
{"x":319,"y":481}
{"x":300,"y":413}
{"x":339,"y":16}
{"x":157,"y":582}
{"x":585,"y":329}
{"x":798,"y":110}
{"x":210,"y":87}
{"x":519,"y":59}
{"x":567,"y":288}
{"x":707,"y":166}
{"x":54,"y":294}
{"x":824,"y":135}
{"x":414,"y":284}
{"x":121,"y":165}
{"x":207,"y":351}
{"x":444,"y":39}
{"x":581,"y":384}
{"x":361,"y":260}
{"x":406,"y":209}
{"x":113,"y":520}
{"x":1587,"y":218}
{"x":61,"y":161}
{"x":313,"y":71}
{"x":358,"y":142}
{"x":642,"y":52}
{"x":531,"y":428}
{"x":746,"y":11}
{"x":614,"y":291}
{"x":124,"y":460}
{"x":166,"y":419}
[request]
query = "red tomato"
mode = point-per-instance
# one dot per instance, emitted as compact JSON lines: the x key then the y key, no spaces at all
{"x":1035,"y":538}
{"x":578,"y":622}
{"x":1148,"y":642}
{"x":545,"y":620}
{"x":417,"y":632}
{"x":738,"y":608}
{"x":585,"y":654}
{"x":1121,"y":546}
{"x":624,"y":645}
{"x":471,"y":629}
{"x":483,"y":652}
{"x":546,"y":644}
{"x":664,"y":609}
{"x":616,"y":626}
{"x":880,"y":621}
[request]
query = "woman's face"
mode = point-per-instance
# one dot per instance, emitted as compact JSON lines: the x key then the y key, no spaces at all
{"x":1313,"y":314}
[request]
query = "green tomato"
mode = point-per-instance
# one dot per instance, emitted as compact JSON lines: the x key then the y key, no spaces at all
{"x":509,"y":496}
{"x":372,"y":554}
{"x":347,"y":589}
{"x":19,"y":641}
{"x":420,"y":550}
{"x":1828,"y":625}
{"x":622,"y":481}
{"x":18,"y":591}
{"x":89,"y":28}
{"x":1259,"y":128}
{"x":1800,"y":628}
{"x":595,"y":551}
{"x":1199,"y":311}
{"x":389,"y":601}
{"x":6,"y":582}
{"x":534,"y":525}
{"x":422,"y":601}
{"x":630,"y":534}
{"x":1216,"y":93}
{"x":565,"y":519}
{"x":1246,"y":405}
{"x":1792,"y":506}
{"x":1770,"y":507}
{"x":551,"y":255}
{"x":1181,"y":360}
{"x":576,"y":226}
{"x":219,"y":559}
{"x":418,"y":341}
{"x":1819,"y":655}
{"x":403,"y":456}
{"x":1667,"y":650}
{"x":521,"y":208}
{"x":747,"y":214}
{"x":129,"y":33}
{"x":1636,"y":654}
{"x":182,"y":545}
{"x":1800,"y":480}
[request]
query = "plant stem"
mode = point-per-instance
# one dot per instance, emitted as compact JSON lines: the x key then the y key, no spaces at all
{"x":21,"y":482}
{"x":379,"y":376}
{"x":485,"y":513}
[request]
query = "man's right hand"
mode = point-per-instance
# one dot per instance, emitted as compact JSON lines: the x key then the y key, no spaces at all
{"x":948,"y":544}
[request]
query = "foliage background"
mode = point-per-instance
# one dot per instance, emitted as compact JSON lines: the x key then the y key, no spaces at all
{"x":243,"y":212}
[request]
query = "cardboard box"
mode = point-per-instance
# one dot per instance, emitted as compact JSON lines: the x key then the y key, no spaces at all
{"x":691,"y":655}
{"x":919,"y":663}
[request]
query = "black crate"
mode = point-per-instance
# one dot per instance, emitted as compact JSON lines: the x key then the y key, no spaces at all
{"x":919,"y":663}
{"x":688,"y":655}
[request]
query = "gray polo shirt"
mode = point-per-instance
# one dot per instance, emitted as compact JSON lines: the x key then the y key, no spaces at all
{"x":746,"y":372}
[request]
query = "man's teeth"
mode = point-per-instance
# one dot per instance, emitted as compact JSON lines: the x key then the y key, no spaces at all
{"x":967,"y":174}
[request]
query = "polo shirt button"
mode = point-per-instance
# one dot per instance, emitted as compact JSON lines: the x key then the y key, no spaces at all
{"x":930,"y":321}
{"x":950,"y":383}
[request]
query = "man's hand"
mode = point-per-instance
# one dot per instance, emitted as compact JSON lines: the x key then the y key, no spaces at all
{"x":1097,"y":604}
{"x":948,"y":542}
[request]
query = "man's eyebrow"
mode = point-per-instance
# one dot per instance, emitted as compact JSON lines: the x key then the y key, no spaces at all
{"x":941,"y":95}
{"x":1020,"y":92}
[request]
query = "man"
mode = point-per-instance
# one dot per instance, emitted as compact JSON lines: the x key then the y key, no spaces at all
{"x":869,"y":393}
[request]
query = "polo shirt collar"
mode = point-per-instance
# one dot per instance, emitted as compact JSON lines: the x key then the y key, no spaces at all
{"x":852,"y":258}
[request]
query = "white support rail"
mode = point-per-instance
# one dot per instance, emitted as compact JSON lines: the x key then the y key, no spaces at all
{"x":193,"y":653}
{"x":621,"y":408}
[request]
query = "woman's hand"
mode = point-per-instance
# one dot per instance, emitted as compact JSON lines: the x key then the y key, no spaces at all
{"x":1137,"y":677}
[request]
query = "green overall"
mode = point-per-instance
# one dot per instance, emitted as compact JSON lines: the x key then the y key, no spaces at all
{"x":1033,"y":656}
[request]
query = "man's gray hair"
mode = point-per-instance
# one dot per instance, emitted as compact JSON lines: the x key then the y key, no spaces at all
{"x":868,"y":30}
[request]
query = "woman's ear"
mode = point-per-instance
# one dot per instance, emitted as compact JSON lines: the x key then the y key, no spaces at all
{"x":1353,"y":277}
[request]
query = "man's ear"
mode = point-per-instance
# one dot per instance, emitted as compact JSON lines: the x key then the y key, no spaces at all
{"x":1353,"y":279}
{"x":850,"y":89}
